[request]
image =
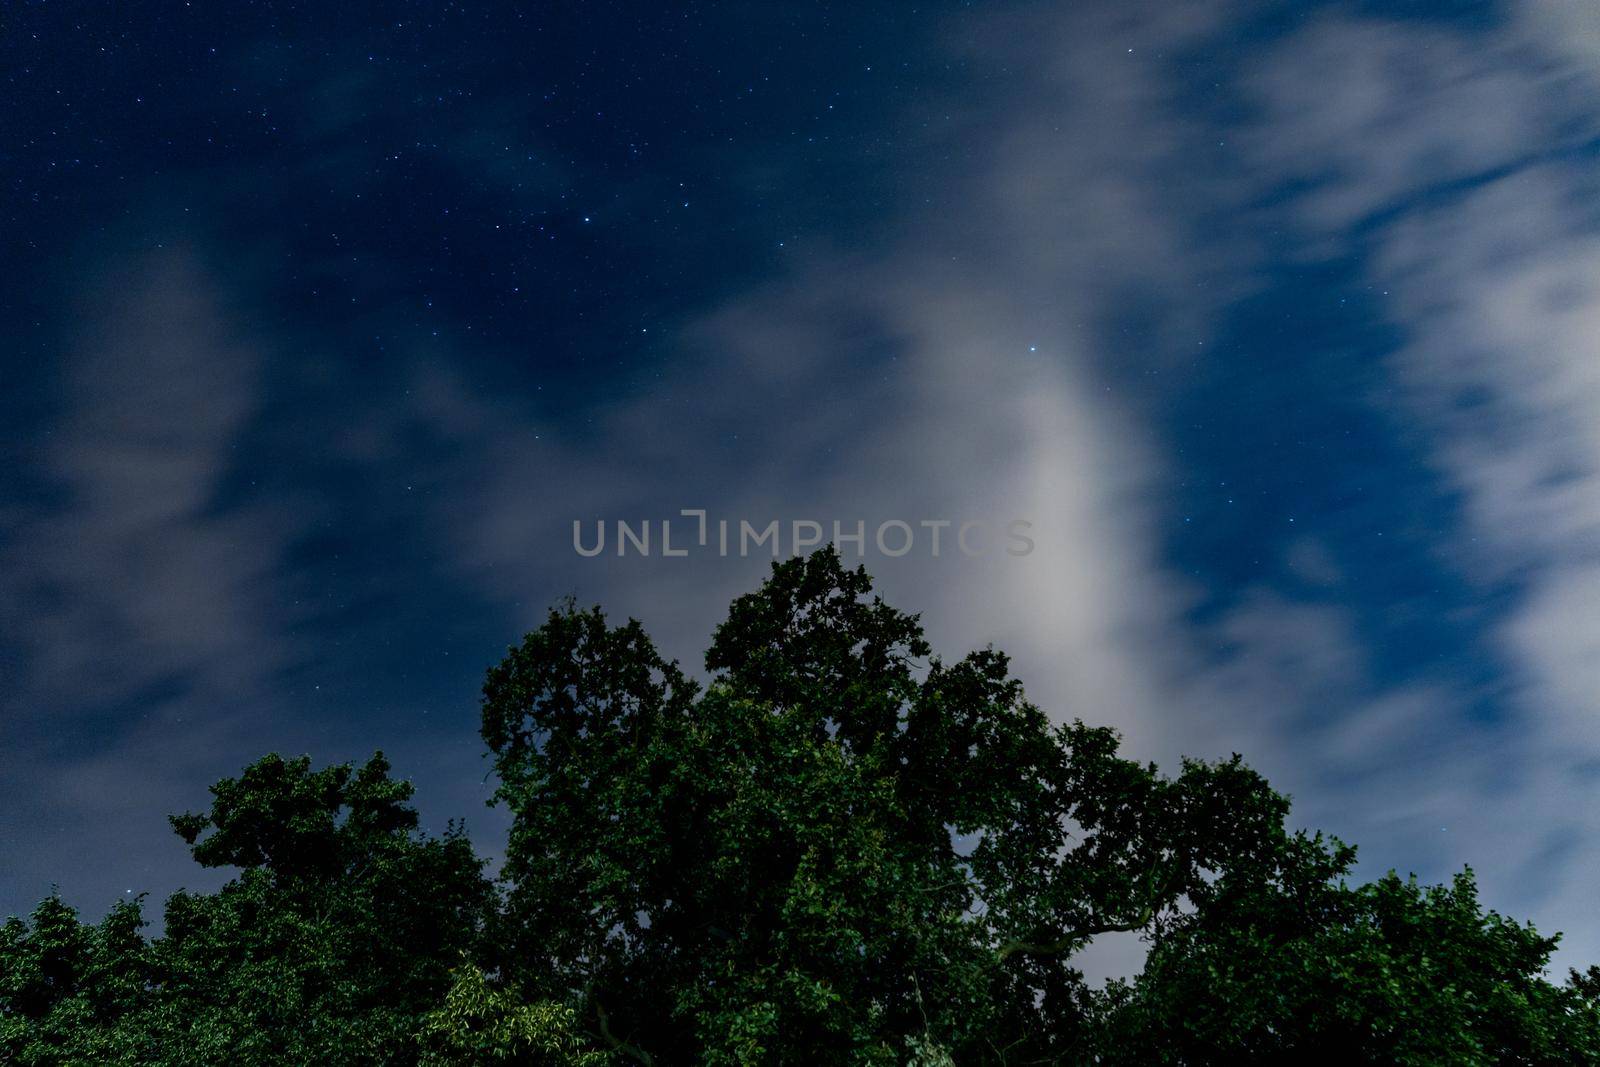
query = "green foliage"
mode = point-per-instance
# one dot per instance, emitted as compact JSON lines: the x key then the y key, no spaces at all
{"x":480,"y":1025}
{"x":339,"y":931}
{"x":68,"y":990}
{"x":1390,"y":973}
{"x":341,"y":928}
{"x":840,"y":849}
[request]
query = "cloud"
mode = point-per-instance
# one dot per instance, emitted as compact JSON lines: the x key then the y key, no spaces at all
{"x":1366,"y":113}
{"x":145,"y":576}
{"x":155,"y":600}
{"x":960,"y":372}
{"x":1455,"y":163}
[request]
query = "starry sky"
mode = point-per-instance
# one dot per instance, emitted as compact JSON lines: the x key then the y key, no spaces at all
{"x":320,"y":327}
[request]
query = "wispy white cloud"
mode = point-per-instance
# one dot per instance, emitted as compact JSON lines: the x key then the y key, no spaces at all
{"x":958,"y":374}
{"x":1456,"y":163}
{"x":159,"y":612}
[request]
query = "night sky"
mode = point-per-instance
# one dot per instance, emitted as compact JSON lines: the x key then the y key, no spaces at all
{"x":1280,"y":325}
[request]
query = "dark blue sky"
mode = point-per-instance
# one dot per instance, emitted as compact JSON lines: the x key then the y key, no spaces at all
{"x":320,"y":328}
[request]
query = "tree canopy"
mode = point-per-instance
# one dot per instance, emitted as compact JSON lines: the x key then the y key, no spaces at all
{"x":837,"y":847}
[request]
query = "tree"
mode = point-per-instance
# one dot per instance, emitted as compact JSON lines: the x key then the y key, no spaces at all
{"x":835,"y":850}
{"x":1390,"y":972}
{"x":340,"y":930}
{"x":337,"y":935}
